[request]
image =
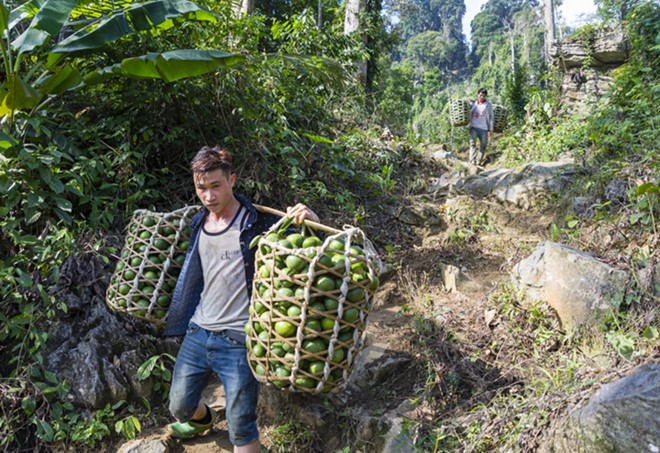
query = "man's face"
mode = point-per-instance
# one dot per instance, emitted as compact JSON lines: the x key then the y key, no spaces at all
{"x":214,"y":190}
{"x":482,"y":96}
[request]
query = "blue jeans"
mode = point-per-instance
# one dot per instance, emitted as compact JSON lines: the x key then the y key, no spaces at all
{"x":204,"y":352}
{"x":482,"y":134}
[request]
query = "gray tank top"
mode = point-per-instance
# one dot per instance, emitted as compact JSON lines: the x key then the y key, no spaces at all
{"x":224,"y":301}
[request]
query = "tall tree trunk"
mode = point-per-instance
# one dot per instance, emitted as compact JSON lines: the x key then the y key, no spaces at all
{"x":352,"y":25}
{"x":352,"y":16}
{"x":513,"y":51}
{"x":510,"y":25}
{"x":549,"y":30}
{"x":526,"y":47}
{"x":319,"y":15}
{"x":243,"y":7}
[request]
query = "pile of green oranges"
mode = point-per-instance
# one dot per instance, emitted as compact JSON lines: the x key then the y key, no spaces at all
{"x":149,"y":265}
{"x":308,"y":311}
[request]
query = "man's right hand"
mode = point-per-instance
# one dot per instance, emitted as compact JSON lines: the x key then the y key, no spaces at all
{"x":301,"y":212}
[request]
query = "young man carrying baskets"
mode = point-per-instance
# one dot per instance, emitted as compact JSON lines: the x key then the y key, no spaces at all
{"x":210,"y":304}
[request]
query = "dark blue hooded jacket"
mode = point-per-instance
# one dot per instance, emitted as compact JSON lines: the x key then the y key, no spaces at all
{"x":190,"y":283}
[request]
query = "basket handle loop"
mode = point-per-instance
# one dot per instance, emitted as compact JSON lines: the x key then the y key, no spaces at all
{"x":369,"y":247}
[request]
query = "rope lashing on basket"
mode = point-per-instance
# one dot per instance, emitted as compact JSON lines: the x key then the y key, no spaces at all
{"x":144,"y":294}
{"x":328,"y":349}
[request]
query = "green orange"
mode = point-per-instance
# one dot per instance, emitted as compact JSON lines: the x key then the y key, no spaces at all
{"x":273,"y":237}
{"x":351,"y":314}
{"x":355,"y":294}
{"x":258,"y":350}
{"x":324,"y":283}
{"x":338,"y":355}
{"x":337,"y":244}
{"x":259,"y":308}
{"x":312,"y":326}
{"x":260,"y":370}
{"x":264,"y":271}
{"x":277,"y":349}
{"x":295,"y":263}
{"x":285,"y":243}
{"x":311,"y":241}
{"x":326,"y":260}
{"x":330,"y":303}
{"x":356,"y":250}
{"x":296,"y":239}
{"x":149,"y":221}
{"x":159,"y":313}
{"x":316,"y":367}
{"x":180,"y":259}
{"x":375,"y":283}
{"x":306,"y":382}
{"x":314,"y":345}
{"x":317,"y":306}
{"x":327,"y":324}
{"x":293,"y":311}
{"x":163,"y":301}
{"x":151,"y":275}
{"x":161,"y":244}
{"x":285,"y":328}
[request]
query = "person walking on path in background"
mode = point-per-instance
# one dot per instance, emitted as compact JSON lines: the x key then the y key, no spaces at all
{"x":210,"y":304}
{"x":481,"y":126}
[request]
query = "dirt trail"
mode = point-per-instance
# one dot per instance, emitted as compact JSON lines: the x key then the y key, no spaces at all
{"x":484,"y":259}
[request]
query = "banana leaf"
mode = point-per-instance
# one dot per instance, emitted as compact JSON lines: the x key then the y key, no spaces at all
{"x":18,"y":95}
{"x":47,"y":22}
{"x":4,"y":16}
{"x":168,"y":66}
{"x":64,"y":79}
{"x":158,"y":14}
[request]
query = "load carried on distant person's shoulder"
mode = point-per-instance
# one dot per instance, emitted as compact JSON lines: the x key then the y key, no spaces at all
{"x":459,"y":114}
{"x":500,"y":116}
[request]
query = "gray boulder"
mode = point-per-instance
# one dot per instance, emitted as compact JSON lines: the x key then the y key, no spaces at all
{"x":649,"y":279}
{"x":152,"y":445}
{"x":419,"y":215}
{"x":581,"y":87}
{"x":587,"y":72}
{"x":373,"y":365}
{"x":96,"y":352}
{"x":94,"y":381}
{"x":609,"y":47}
{"x":623,"y":416}
{"x":574,"y":283}
{"x":523,"y":187}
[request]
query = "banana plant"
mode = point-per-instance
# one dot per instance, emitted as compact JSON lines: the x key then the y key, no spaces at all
{"x":39,"y":64}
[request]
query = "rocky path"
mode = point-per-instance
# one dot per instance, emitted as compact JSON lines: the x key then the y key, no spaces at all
{"x":459,"y":251}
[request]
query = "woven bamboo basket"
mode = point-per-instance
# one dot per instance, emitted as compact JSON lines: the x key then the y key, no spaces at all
{"x":309,"y":307}
{"x":149,"y":264}
{"x":500,"y":115}
{"x":459,"y":112}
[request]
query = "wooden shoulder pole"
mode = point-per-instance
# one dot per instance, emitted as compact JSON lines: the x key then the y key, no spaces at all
{"x":309,"y":223}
